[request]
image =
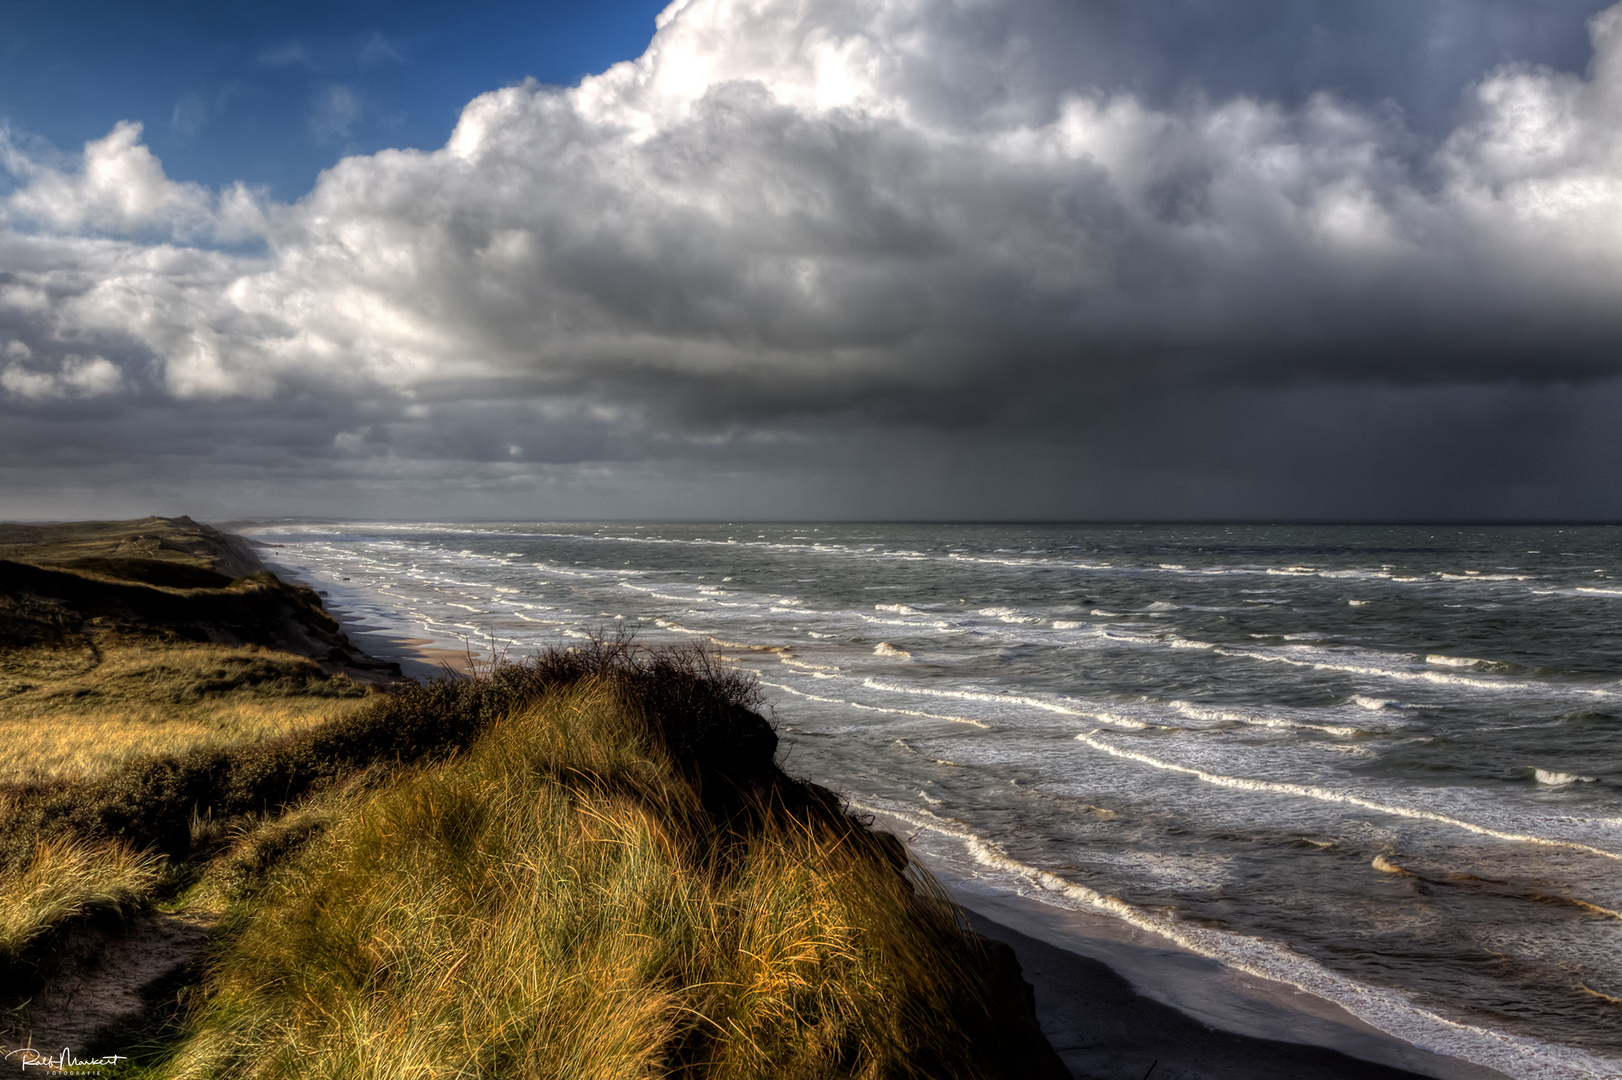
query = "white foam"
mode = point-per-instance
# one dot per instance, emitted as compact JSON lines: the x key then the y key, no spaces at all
{"x":1119,"y":720}
{"x":1323,"y":794}
{"x":971,"y":721}
{"x":1560,"y":779}
{"x":1125,"y":634}
{"x":804,"y":665}
{"x":1385,"y":1009}
{"x":1195,"y":711}
{"x":1453,"y":661}
{"x":911,"y":624}
{"x":884,"y":648}
{"x":1322,"y":659}
{"x":1010,"y":615}
{"x":974,"y":695}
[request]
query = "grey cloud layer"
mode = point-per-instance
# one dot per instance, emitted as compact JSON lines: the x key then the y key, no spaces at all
{"x":793,"y":218}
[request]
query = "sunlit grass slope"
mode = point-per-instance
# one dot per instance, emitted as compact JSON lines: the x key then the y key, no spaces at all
{"x":124,"y":648}
{"x":78,"y":713}
{"x":67,"y":880}
{"x":122,"y":639}
{"x":613,"y":880}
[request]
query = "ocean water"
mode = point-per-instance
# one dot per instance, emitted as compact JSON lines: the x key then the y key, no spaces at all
{"x":1382,"y":764}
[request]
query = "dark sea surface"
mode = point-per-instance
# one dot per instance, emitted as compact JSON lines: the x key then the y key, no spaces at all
{"x":1382,"y":764}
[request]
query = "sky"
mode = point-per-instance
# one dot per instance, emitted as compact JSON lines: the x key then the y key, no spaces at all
{"x":888,"y":259}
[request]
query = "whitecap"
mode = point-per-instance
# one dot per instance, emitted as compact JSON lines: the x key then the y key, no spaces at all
{"x":1559,"y":779}
{"x":1196,"y":711}
{"x":971,"y":721}
{"x":1009,"y":615}
{"x":804,"y":664}
{"x":974,"y":695}
{"x":1310,"y":791}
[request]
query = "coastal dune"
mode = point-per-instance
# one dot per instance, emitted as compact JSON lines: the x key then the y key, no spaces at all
{"x":588,"y":864}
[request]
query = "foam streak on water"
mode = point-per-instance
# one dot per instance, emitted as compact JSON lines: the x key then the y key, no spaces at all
{"x":1381,"y":764}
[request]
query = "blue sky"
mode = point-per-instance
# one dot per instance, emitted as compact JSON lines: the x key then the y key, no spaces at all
{"x":271,"y":93}
{"x":813,"y":258}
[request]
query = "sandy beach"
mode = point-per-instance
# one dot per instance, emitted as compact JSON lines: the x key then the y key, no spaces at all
{"x":419,"y":658}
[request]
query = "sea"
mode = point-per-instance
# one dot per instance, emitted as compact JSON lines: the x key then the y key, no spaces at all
{"x":1379,"y":764}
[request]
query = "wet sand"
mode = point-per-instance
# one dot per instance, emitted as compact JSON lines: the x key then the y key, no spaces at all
{"x":419,"y":658}
{"x":1106,"y":1026}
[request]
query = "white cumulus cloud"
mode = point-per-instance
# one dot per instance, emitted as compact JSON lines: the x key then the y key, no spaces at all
{"x":75,"y":376}
{"x":120,"y":187}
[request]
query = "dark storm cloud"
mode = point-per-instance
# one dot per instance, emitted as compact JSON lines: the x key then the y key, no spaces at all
{"x":822,"y":232}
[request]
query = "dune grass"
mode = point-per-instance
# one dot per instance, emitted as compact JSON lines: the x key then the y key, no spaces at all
{"x":108,"y":656}
{"x":559,"y":902}
{"x":81,"y":710}
{"x":586,"y":865}
{"x":67,"y":880}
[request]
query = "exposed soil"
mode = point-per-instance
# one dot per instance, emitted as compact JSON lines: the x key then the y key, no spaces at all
{"x":106,"y":987}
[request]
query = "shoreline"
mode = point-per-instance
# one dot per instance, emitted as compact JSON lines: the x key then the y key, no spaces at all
{"x":1200,"y":989}
{"x":1114,"y":1000}
{"x":419,"y":658}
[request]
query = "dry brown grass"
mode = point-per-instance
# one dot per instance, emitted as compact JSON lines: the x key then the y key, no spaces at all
{"x":556,"y":903}
{"x":67,"y":879}
{"x":81,"y":711}
{"x":585,"y":866}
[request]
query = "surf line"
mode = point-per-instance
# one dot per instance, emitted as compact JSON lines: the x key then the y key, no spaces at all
{"x":972,"y":695}
{"x":1330,"y":795}
{"x":876,"y":708}
{"x":1387,"y":1010}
